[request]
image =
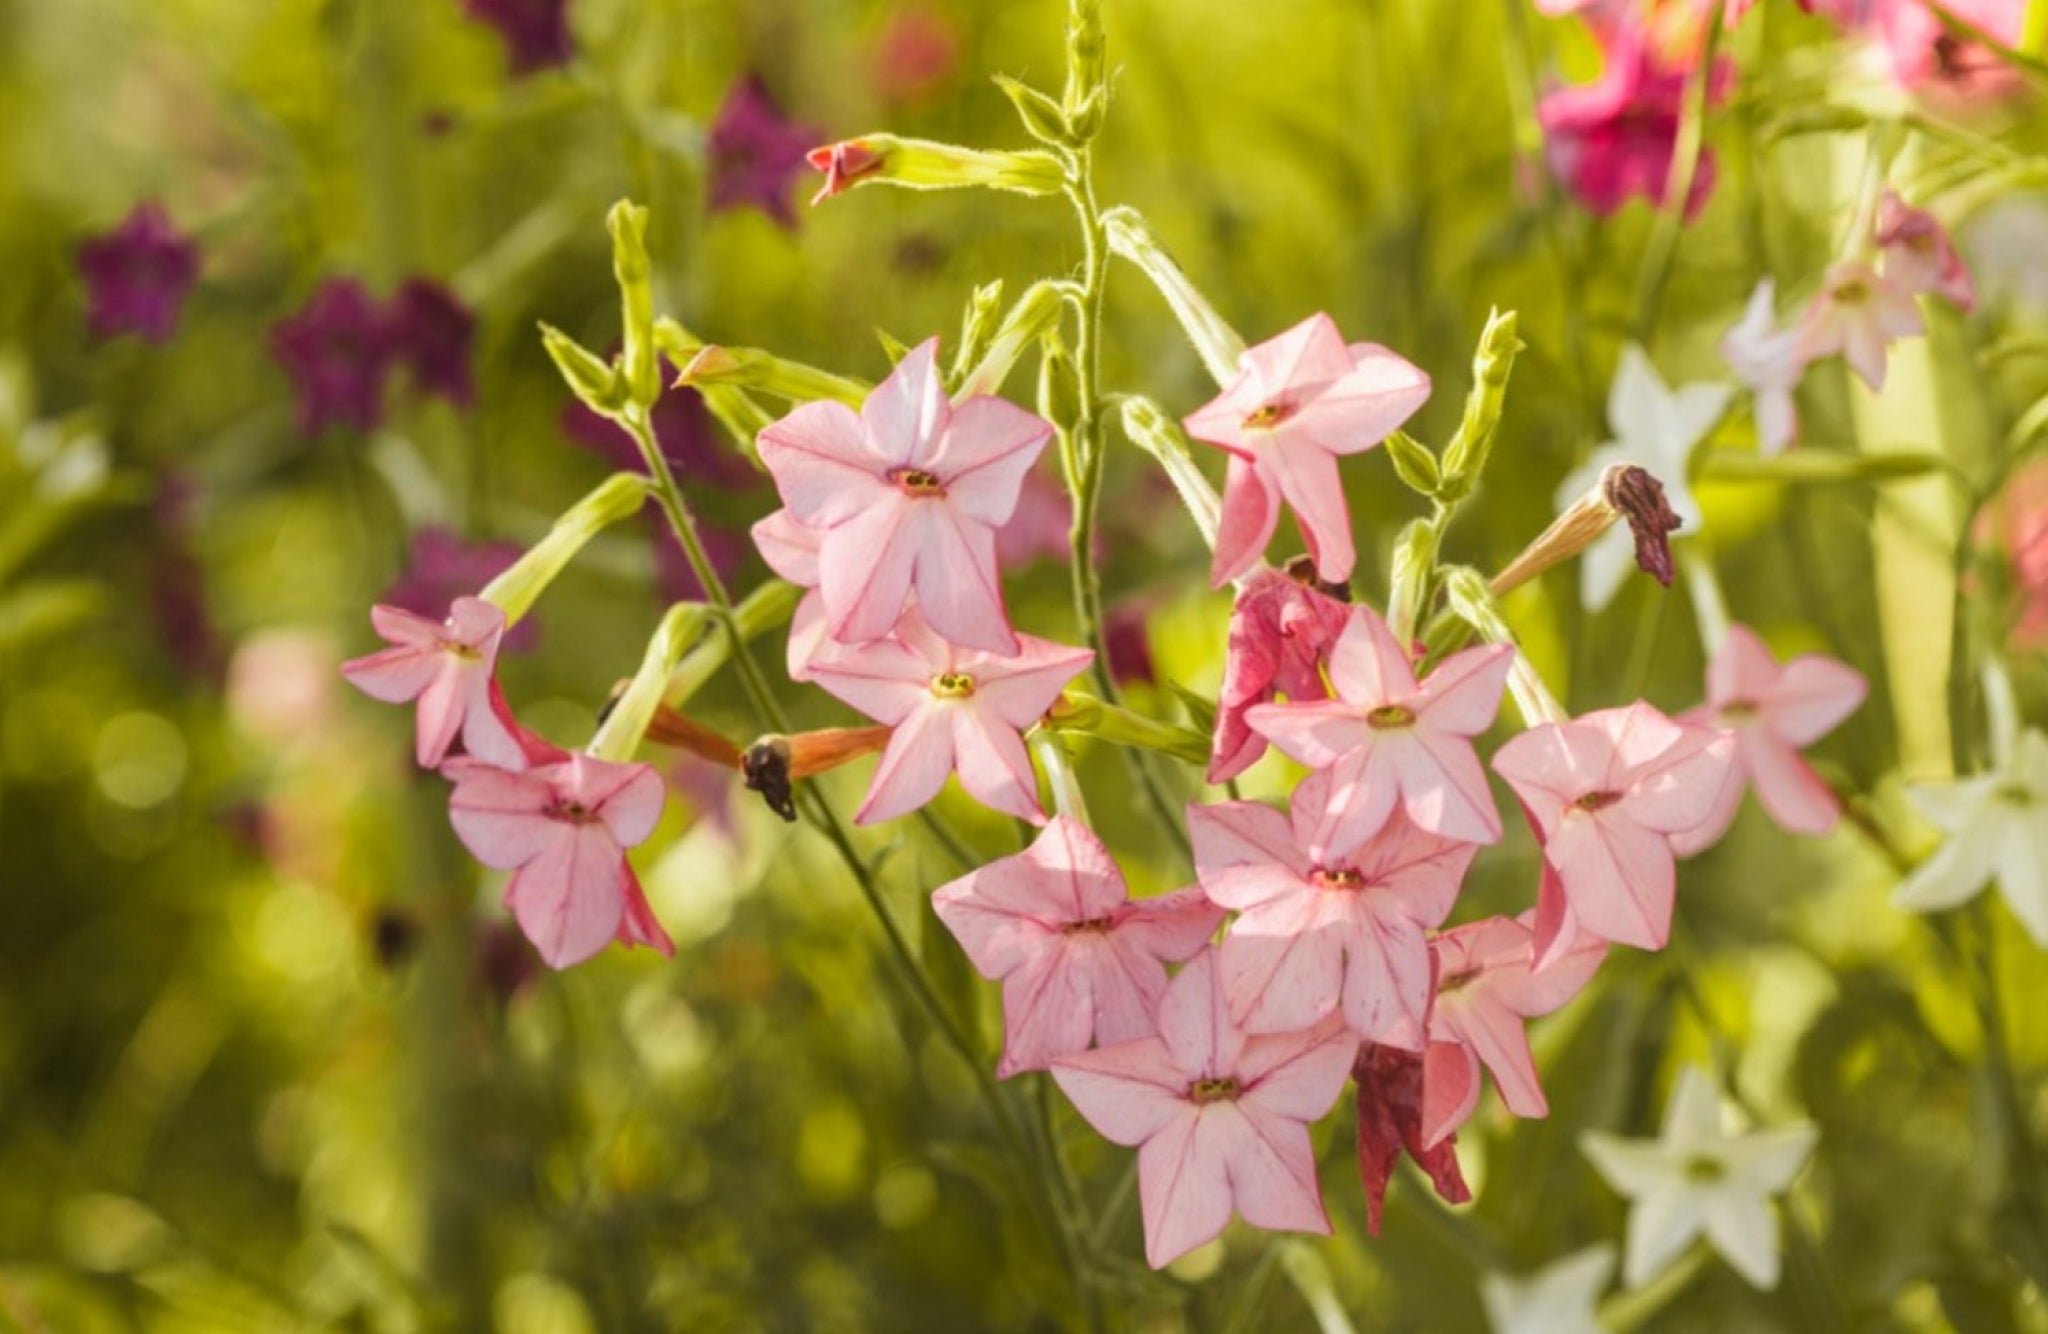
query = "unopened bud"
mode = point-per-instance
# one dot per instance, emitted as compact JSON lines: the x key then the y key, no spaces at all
{"x":1154,"y":432}
{"x":977,"y":326}
{"x":594,"y":381}
{"x":1036,"y":313}
{"x":515,"y":589}
{"x":1413,"y":463}
{"x":1042,"y":117}
{"x":1216,"y":343}
{"x":752,"y":368}
{"x":1086,"y":63}
{"x":1465,"y":457}
{"x":1059,"y":384}
{"x":627,"y":223}
{"x":924,"y":164}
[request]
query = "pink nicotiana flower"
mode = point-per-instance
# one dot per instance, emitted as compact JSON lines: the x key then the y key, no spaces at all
{"x":1765,"y":358}
{"x":1606,"y":793}
{"x":953,"y":709}
{"x":1081,"y":963}
{"x":1389,"y":740}
{"x":1856,"y":315}
{"x":446,"y":666}
{"x":1219,"y":1118}
{"x":1389,"y":1098}
{"x":1771,"y":711}
{"x":1316,"y":937}
{"x":1301,"y":399}
{"x":562,"y":826}
{"x":1487,"y":984}
{"x":909,"y":493}
{"x":1918,"y":255}
{"x":1282,"y":628}
{"x":1615,"y":137}
{"x":138,"y":275}
{"x":790,"y":549}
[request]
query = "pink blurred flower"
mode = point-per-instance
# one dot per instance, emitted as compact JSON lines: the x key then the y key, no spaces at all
{"x":1616,"y":136}
{"x":1923,"y":54}
{"x":1387,"y":739}
{"x":2020,"y":521}
{"x":138,"y":275}
{"x":1856,"y":314}
{"x":909,"y":493}
{"x":953,"y":709}
{"x":1765,"y":358}
{"x":336,"y":350}
{"x":675,"y":579}
{"x":447,"y":666}
{"x":755,"y":153}
{"x":1219,"y":1118}
{"x":1390,"y":1094}
{"x":1081,"y":963}
{"x":1301,"y":399}
{"x":535,"y":32}
{"x":916,"y":55}
{"x":429,"y":332}
{"x":1282,"y":628}
{"x":1918,"y":255}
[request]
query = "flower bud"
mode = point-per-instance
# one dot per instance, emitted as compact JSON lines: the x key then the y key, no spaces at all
{"x":977,"y":327}
{"x":1042,"y":117}
{"x":752,"y":368}
{"x":627,"y":223}
{"x":1154,"y":432}
{"x":1035,"y":313}
{"x":1216,"y":343}
{"x":769,"y":606}
{"x":1086,"y":63}
{"x":1413,"y":463}
{"x":1465,"y":457}
{"x":617,"y":497}
{"x":1413,"y":573}
{"x":923,"y":164}
{"x":594,"y":381}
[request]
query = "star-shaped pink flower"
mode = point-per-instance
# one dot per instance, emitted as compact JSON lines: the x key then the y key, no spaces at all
{"x":909,"y":493}
{"x":1080,"y":962}
{"x":1281,"y":631}
{"x":953,"y":710}
{"x":1856,"y":314}
{"x":1220,"y":1119}
{"x":446,"y":666}
{"x":1606,"y":793}
{"x":562,"y":827}
{"x":1486,"y":985}
{"x":1314,"y":938}
{"x":1387,"y":739}
{"x":1919,"y":256}
{"x":1772,"y":711}
{"x":1301,"y":399}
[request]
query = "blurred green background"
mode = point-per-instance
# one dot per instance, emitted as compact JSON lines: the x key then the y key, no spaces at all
{"x":271,"y":1056}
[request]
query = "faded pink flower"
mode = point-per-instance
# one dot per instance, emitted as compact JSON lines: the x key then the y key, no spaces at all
{"x":1301,"y":399}
{"x":561,"y":826}
{"x":1772,"y":711}
{"x":1390,"y":1093}
{"x":1918,"y":255}
{"x":1282,"y":628}
{"x":1606,"y":793}
{"x":1387,"y":739}
{"x":1317,"y":937}
{"x":909,"y":493}
{"x":1487,"y":984}
{"x":1615,"y":137}
{"x":953,"y":709}
{"x":446,"y":666}
{"x":1219,"y":1118}
{"x":1856,"y":314}
{"x":1765,"y":358}
{"x":1081,"y":963}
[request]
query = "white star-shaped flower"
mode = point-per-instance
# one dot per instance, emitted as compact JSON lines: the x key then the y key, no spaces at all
{"x":1557,"y":1299}
{"x":1998,"y":829}
{"x":1697,"y":1179}
{"x":1656,"y":428}
{"x":1765,"y":358}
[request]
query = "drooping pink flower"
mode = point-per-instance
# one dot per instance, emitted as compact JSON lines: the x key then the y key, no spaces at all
{"x":1918,"y":255}
{"x":1081,"y":963}
{"x":953,"y":709}
{"x":1282,"y":628}
{"x":1606,"y":793}
{"x":1765,"y":358}
{"x":1387,"y":739}
{"x":1219,"y":1118}
{"x":1389,"y":1097}
{"x":336,"y":351}
{"x":429,"y":332}
{"x":138,"y":275}
{"x":535,"y":32}
{"x":1301,"y":399}
{"x":1856,"y":314}
{"x":1316,"y":937}
{"x":1771,"y":711}
{"x":1487,"y":985}
{"x":447,"y":666}
{"x":562,"y":826}
{"x":909,"y":493}
{"x":1615,"y":137}
{"x":755,"y":153}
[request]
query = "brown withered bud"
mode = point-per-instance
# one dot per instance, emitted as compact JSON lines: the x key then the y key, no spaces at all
{"x":1640,"y":499}
{"x":765,"y":768}
{"x":1302,"y":570}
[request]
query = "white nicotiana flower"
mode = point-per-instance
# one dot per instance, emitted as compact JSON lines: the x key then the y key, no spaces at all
{"x":1998,"y":830}
{"x":1557,"y":1299}
{"x":1656,"y":428}
{"x":1697,"y":1179}
{"x":1763,"y":357}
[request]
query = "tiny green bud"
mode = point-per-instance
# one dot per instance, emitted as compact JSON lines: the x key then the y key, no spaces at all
{"x":1085,"y":53}
{"x":1059,"y":384}
{"x":1413,"y":463}
{"x":1084,"y":122}
{"x":1036,"y":313}
{"x":769,"y":606}
{"x":1414,"y":573}
{"x":1465,"y":457}
{"x":595,"y":381}
{"x":1042,"y":117}
{"x":977,"y":326}
{"x":627,"y":223}
{"x":751,"y":368}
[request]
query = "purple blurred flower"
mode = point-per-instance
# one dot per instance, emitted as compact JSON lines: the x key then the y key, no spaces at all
{"x":137,"y":275}
{"x":672,"y":573}
{"x":535,"y":32}
{"x":430,"y":332}
{"x":177,"y":583}
{"x":442,"y":567}
{"x":756,"y":153}
{"x":1130,"y":650}
{"x":336,"y":351}
{"x":690,"y":440}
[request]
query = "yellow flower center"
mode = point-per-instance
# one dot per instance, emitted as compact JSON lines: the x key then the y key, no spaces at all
{"x":952,"y":685}
{"x":1205,"y":1091}
{"x":1267,"y":416}
{"x":1388,"y":716}
{"x":917,"y":482}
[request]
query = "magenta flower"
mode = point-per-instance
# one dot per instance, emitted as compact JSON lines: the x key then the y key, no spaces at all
{"x":446,"y":666}
{"x":1387,"y":739}
{"x":535,"y":32}
{"x":1389,"y":1100}
{"x":755,"y":153}
{"x":1301,"y":399}
{"x":1487,"y":983}
{"x":1615,"y":137}
{"x":1772,"y":711}
{"x":1219,"y":1118}
{"x":1317,"y":937}
{"x":1856,"y":314}
{"x":138,"y":275}
{"x":1281,"y":632}
{"x":562,"y":828}
{"x":1080,"y":962}
{"x":1606,"y":793}
{"x":336,"y":350}
{"x":909,"y":493}
{"x":1918,"y":255}
{"x":429,"y":331}
{"x":953,"y":709}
